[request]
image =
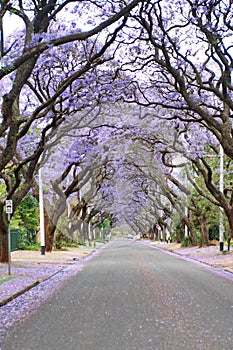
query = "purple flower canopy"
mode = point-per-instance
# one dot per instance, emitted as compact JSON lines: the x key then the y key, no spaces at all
{"x":70,"y":93}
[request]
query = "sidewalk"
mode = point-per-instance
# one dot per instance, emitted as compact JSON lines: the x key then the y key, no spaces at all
{"x":29,"y":268}
{"x":211,"y":255}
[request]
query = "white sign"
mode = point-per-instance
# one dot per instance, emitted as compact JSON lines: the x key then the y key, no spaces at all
{"x":9,"y":206}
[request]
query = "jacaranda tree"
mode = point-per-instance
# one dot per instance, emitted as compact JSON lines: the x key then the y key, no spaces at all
{"x":32,"y":108}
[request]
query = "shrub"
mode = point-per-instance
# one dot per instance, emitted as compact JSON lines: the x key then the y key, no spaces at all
{"x":186,"y":242}
{"x":33,"y":247}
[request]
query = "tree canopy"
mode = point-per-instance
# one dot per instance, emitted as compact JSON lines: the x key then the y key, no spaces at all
{"x":116,"y":108}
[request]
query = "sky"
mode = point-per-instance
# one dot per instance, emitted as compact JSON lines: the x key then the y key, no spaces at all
{"x":11,"y":23}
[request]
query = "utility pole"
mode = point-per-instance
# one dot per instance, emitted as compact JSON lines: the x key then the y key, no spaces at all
{"x":41,"y":206}
{"x":186,"y":229}
{"x":221,"y":188}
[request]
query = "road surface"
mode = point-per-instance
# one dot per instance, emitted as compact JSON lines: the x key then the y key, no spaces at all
{"x":133,"y":297}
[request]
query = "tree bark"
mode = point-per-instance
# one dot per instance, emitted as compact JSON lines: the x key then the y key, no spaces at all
{"x":192,"y":230}
{"x":50,"y":229}
{"x":204,"y":231}
{"x":3,"y":237}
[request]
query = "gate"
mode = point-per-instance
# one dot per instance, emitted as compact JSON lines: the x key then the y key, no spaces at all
{"x":14,"y":239}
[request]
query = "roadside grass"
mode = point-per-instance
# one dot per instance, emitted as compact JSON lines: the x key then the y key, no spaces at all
{"x":32,"y":247}
{"x":224,"y":252}
{"x":5,"y":278}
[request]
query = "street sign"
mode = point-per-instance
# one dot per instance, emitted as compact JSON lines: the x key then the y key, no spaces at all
{"x":9,"y":206}
{"x":9,"y":211}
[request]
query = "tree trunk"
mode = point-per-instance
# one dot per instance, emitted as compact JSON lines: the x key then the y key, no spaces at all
{"x":83,"y":231}
{"x":192,"y":230}
{"x":230,"y":220}
{"x":3,"y":238}
{"x":59,"y":239}
{"x":51,"y":217}
{"x":204,"y":231}
{"x":50,"y":229}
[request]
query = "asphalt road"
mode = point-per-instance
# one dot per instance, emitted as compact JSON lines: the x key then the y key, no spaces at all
{"x":133,"y":297}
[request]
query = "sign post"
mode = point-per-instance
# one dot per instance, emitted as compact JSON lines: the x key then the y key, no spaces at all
{"x":9,"y":211}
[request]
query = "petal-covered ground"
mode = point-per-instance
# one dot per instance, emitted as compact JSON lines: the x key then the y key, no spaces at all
{"x":210,"y":255}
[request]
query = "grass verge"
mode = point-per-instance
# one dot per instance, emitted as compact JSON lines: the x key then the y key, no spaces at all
{"x":5,"y":279}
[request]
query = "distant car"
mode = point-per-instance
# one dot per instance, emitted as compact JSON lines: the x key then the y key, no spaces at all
{"x":137,"y":237}
{"x":130,"y":236}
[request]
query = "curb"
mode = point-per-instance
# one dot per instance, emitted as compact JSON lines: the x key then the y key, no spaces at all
{"x":22,"y":291}
{"x":26,"y":289}
{"x":34,"y":284}
{"x":191,"y":259}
